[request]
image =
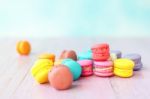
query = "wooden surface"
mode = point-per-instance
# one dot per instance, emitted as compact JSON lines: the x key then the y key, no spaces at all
{"x":16,"y":81}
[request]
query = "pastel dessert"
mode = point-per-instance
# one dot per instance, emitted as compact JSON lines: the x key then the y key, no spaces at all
{"x":136,"y":58}
{"x":112,"y":57}
{"x":23,"y":47}
{"x":100,"y":48}
{"x":74,"y":67}
{"x":100,"y":57}
{"x":103,"y":68}
{"x":117,"y":53}
{"x":40,"y":70}
{"x":60,"y":77}
{"x":138,"y":66}
{"x":123,"y":67}
{"x":58,"y":62}
{"x":85,"y":55}
{"x":100,"y":52}
{"x":87,"y":67}
{"x":49,"y":56}
{"x":68,"y":54}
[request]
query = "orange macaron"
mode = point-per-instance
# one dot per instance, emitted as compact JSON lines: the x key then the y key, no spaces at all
{"x":49,"y":56}
{"x":23,"y":47}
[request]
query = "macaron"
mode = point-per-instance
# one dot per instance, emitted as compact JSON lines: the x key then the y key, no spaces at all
{"x":138,"y":66}
{"x":49,"y":56}
{"x":103,"y":68}
{"x":60,"y":77}
{"x":112,"y":57}
{"x":87,"y":67}
{"x":100,"y":57}
{"x":100,"y":48}
{"x":117,"y":53}
{"x":136,"y":58}
{"x":68,"y":54}
{"x":100,"y":52}
{"x":40,"y":70}
{"x":23,"y":47}
{"x":74,"y":67}
{"x":85,"y":56}
{"x":58,"y":62}
{"x":123,"y":67}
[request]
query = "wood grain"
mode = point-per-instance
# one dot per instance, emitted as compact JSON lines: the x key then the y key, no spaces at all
{"x":16,"y":81}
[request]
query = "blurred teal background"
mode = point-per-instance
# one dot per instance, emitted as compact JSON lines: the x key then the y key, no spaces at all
{"x":58,"y":18}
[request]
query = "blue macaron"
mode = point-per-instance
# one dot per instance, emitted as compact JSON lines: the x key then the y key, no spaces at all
{"x":74,"y":67}
{"x":85,"y":55}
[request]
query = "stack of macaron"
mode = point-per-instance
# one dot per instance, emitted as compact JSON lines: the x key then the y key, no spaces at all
{"x":136,"y":58}
{"x":100,"y":55}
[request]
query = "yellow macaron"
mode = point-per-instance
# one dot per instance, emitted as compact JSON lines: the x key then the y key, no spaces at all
{"x":40,"y":70}
{"x":123,"y":67}
{"x":123,"y":73}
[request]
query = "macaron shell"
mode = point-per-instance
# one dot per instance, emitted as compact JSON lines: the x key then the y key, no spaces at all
{"x":103,"y":74}
{"x":135,"y":57}
{"x":68,"y":54}
{"x":85,"y":55}
{"x":60,"y":77}
{"x":123,"y":73}
{"x":100,"y":57}
{"x":40,"y":70}
{"x":87,"y":74}
{"x":100,"y":48}
{"x":103,"y":63}
{"x":124,"y":63}
{"x":85,"y":62}
{"x":87,"y":70}
{"x":39,"y":64}
{"x":23,"y":47}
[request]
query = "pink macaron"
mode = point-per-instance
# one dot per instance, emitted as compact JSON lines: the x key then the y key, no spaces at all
{"x":87,"y":67}
{"x":103,"y":68}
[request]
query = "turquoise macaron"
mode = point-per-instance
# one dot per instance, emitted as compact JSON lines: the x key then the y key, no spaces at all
{"x":85,"y":55}
{"x":74,"y":67}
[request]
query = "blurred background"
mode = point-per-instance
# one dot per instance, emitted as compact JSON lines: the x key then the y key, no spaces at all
{"x":58,"y":18}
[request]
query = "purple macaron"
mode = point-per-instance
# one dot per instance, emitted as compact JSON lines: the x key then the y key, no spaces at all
{"x":137,"y":60}
{"x":138,"y":66}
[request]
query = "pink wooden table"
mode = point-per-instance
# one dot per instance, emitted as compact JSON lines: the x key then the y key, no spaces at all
{"x":16,"y":81}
